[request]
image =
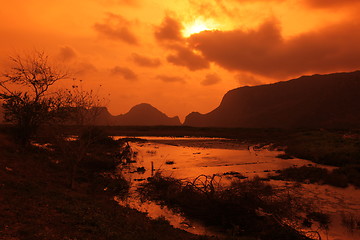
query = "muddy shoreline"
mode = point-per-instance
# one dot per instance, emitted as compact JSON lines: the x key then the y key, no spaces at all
{"x":189,"y":158}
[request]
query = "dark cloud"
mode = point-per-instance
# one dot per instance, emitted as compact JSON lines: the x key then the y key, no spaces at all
{"x":124,"y":72}
{"x":145,"y":61}
{"x":312,"y":3}
{"x":67,"y":54}
{"x":330,"y":3}
{"x":169,"y":30}
{"x":170,"y":79}
{"x":116,"y":27}
{"x":211,"y":79}
{"x":186,"y":57}
{"x":265,"y":52}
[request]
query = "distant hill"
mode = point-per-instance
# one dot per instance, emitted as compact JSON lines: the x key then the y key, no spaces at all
{"x":318,"y":101}
{"x":140,"y":115}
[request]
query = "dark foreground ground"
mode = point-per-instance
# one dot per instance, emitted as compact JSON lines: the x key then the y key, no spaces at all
{"x":36,"y":202}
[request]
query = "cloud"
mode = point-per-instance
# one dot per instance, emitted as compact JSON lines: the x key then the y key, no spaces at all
{"x":170,"y":79}
{"x":247,"y":79}
{"x":211,"y":79}
{"x":124,"y":72}
{"x":145,"y":61}
{"x":67,"y":54}
{"x":116,"y":27}
{"x":311,"y":3}
{"x":265,"y":52}
{"x":186,"y":57}
{"x":169,"y":30}
{"x":330,"y":3}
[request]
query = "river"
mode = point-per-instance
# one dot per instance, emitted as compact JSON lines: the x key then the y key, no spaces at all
{"x":188,"y":157}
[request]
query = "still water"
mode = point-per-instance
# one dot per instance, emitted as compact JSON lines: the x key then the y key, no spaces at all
{"x":186,"y":158}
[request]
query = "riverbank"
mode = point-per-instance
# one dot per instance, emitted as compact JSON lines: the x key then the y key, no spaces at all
{"x":190,"y":157}
{"x":37,"y":203}
{"x":336,"y":147}
{"x":35,"y":188}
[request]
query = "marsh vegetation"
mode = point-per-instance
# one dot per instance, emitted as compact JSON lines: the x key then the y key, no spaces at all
{"x":339,"y":177}
{"x":247,"y":208}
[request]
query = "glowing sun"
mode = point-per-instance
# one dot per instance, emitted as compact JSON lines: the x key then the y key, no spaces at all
{"x":197,"y":26}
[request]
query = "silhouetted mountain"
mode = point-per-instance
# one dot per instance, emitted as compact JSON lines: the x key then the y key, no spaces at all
{"x":140,"y":115}
{"x":318,"y":101}
{"x":101,"y":116}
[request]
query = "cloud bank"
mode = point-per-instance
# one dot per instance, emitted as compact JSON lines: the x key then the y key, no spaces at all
{"x":265,"y":52}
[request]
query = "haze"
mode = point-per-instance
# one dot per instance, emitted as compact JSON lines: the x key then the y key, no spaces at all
{"x":182,"y":56}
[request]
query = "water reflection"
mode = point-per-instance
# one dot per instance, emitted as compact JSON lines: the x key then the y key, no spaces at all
{"x":187,"y":158}
{"x":182,"y":161}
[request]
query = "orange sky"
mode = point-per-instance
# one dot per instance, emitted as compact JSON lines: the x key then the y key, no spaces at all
{"x":158,"y":52}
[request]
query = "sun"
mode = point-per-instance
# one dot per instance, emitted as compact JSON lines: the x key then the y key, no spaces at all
{"x":197,"y":26}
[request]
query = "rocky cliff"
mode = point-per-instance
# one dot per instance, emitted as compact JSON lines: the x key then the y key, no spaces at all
{"x":318,"y":101}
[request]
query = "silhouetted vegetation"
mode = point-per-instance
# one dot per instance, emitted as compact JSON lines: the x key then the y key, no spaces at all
{"x":30,"y":103}
{"x":326,"y":147}
{"x":249,"y":208}
{"x":37,"y":203}
{"x":25,"y":91}
{"x":36,"y":174}
{"x":38,"y":114}
{"x":340,"y":177}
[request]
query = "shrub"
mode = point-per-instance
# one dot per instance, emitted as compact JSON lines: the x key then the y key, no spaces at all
{"x":252,"y":207}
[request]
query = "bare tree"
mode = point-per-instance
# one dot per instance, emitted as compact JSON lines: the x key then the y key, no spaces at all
{"x":25,"y":92}
{"x":85,"y":104}
{"x":29,"y":103}
{"x":83,"y":110}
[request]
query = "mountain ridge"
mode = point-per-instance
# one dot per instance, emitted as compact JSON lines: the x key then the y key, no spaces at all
{"x":313,"y":101}
{"x":143,"y":114}
{"x":329,"y":101}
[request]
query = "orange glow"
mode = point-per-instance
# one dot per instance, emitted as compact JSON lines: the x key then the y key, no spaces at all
{"x":197,"y":26}
{"x":145,"y":51}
